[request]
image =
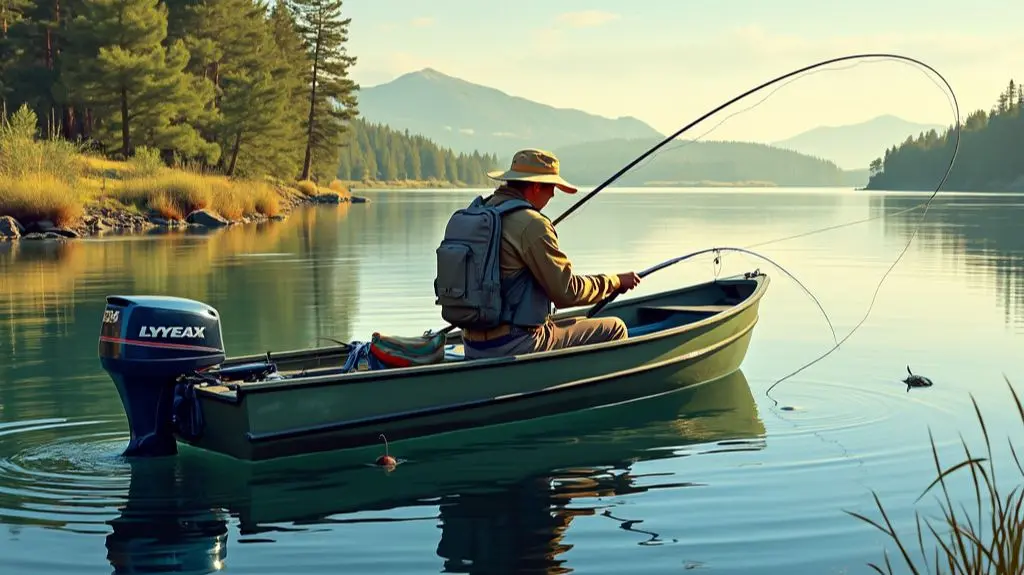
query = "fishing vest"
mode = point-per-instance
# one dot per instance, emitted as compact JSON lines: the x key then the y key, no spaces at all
{"x":468,"y":285}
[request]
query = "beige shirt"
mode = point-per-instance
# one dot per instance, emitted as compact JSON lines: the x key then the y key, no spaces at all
{"x":529,"y":240}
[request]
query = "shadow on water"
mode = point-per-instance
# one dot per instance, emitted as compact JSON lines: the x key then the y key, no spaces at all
{"x":503,"y":496}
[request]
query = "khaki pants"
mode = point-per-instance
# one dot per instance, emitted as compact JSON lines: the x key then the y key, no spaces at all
{"x":556,"y":335}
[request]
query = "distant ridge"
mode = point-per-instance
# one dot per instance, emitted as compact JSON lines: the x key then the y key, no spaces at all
{"x":853,"y":146}
{"x":471,"y":117}
{"x":702,"y":163}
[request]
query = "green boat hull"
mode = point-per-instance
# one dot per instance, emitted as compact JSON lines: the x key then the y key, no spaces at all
{"x":678,"y":339}
{"x":518,"y":486}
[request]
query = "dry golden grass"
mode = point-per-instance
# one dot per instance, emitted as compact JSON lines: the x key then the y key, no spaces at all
{"x":48,"y":180}
{"x":308,"y":187}
{"x":39,"y":196}
{"x":267,"y":200}
{"x":97,"y":167}
{"x":174,"y":195}
{"x":340,"y":188}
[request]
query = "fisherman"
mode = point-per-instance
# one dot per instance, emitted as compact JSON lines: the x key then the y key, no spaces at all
{"x":531,"y":257}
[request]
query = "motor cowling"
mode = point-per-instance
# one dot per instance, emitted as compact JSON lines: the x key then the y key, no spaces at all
{"x":146,"y":343}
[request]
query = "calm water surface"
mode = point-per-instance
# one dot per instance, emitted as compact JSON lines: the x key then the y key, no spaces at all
{"x":718,"y":478}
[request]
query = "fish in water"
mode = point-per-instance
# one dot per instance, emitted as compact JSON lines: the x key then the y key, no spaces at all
{"x":916,"y":380}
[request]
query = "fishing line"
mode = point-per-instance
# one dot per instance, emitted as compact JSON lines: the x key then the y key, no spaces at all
{"x":772,"y":93}
{"x":776,"y":80}
{"x":747,"y":109}
{"x":717,"y":251}
{"x":758,"y":88}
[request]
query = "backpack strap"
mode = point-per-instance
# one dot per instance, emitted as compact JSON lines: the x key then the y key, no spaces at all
{"x":511,"y":206}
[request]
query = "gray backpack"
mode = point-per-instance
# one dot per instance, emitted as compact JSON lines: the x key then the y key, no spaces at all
{"x":468,"y":281}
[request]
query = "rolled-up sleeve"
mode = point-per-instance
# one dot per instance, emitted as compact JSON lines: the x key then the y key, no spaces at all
{"x":553,"y":269}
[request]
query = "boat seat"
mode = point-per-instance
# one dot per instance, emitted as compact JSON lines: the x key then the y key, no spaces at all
{"x":655,"y":318}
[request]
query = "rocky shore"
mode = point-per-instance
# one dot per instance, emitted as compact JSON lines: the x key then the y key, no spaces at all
{"x":101,"y":219}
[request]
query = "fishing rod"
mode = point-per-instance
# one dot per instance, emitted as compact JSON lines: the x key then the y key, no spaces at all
{"x":726,"y":104}
{"x":927,"y":204}
{"x":671,"y":262}
{"x":732,"y":101}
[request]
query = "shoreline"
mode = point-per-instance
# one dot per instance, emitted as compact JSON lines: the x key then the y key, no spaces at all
{"x":106,"y":215}
{"x":353,"y":185}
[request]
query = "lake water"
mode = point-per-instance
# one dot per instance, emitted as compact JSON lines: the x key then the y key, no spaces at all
{"x":718,"y":478}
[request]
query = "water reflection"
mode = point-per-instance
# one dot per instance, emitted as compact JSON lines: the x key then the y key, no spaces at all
{"x":407,"y":225}
{"x":166,"y":525}
{"x":52,"y":294}
{"x":983,"y":231}
{"x":525,"y":491}
{"x":505,"y":495}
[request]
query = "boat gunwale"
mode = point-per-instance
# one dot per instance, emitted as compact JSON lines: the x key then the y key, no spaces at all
{"x":506,"y":398}
{"x":237,"y":391}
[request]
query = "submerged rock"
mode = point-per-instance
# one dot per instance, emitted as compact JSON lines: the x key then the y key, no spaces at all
{"x":64,"y":232}
{"x":10,"y":229}
{"x":206,"y":218}
{"x":328,"y":198}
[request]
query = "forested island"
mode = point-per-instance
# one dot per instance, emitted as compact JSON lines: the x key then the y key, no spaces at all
{"x":990,"y":158}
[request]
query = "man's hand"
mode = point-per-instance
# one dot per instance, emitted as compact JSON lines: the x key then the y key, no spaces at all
{"x":628,"y":281}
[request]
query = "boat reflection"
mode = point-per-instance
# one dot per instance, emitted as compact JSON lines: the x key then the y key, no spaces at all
{"x":166,"y":525}
{"x":505,"y":494}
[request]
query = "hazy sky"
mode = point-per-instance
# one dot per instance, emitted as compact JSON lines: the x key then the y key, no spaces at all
{"x":669,"y":61}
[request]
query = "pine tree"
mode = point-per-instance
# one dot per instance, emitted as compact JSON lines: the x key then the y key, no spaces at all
{"x":291,"y":76}
{"x":117,"y":63}
{"x":11,"y":14}
{"x":332,"y":99}
{"x":29,"y":57}
{"x":233,"y":45}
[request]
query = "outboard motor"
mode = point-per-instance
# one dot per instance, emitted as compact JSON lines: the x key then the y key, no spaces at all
{"x":146,"y":344}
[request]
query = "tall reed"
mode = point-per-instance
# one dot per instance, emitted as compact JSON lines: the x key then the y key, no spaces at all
{"x":964,"y":546}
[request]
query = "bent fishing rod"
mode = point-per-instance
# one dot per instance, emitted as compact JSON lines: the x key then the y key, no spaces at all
{"x":732,"y":101}
{"x":717,"y":251}
{"x":622,"y":171}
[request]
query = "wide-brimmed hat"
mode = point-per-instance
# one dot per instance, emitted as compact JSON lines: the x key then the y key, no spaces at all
{"x":532,"y":165}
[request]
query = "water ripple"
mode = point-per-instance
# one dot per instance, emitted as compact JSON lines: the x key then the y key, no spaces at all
{"x":73,"y":480}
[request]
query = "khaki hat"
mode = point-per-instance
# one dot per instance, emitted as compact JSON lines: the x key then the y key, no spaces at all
{"x":532,"y":165}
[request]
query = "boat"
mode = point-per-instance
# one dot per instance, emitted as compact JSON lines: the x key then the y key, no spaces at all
{"x":166,"y":358}
{"x":503,"y":484}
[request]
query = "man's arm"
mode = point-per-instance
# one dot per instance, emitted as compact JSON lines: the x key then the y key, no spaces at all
{"x":553,"y":269}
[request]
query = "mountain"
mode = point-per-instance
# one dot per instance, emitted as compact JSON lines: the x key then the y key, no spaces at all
{"x":701,"y":163}
{"x":853,"y":146}
{"x":469,"y":117}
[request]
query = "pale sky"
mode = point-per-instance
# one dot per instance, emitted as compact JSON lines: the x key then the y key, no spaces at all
{"x":667,"y":62}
